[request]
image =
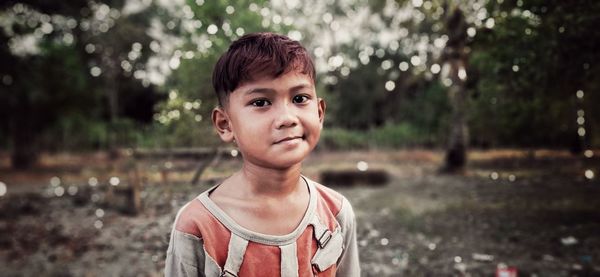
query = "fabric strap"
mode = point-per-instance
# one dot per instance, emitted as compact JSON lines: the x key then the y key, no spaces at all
{"x":235,"y":255}
{"x":321,"y":232}
{"x":289,"y":260}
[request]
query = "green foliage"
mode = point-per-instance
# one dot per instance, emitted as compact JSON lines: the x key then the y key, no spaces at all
{"x":191,"y":82}
{"x":415,"y":112}
{"x":67,"y":134}
{"x":70,"y":91}
{"x":385,"y":137}
{"x":530,"y":65}
{"x":428,"y":111}
{"x":522,"y":80}
{"x":339,"y":139}
{"x":393,"y":136}
{"x":358,"y":101}
{"x":180,"y":122}
{"x":27,"y":102}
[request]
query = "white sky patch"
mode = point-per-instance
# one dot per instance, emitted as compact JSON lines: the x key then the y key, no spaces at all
{"x":25,"y":45}
{"x":159,"y":66}
{"x":135,"y":6}
{"x":353,"y":23}
{"x":170,"y":5}
{"x":295,"y":35}
{"x":360,"y":27}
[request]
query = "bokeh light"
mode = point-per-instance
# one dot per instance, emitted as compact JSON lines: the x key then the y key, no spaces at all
{"x":114,"y":181}
{"x":589,"y":174}
{"x":362,"y":166}
{"x":3,"y":189}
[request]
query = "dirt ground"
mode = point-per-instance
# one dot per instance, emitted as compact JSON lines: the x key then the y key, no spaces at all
{"x":536,"y":211}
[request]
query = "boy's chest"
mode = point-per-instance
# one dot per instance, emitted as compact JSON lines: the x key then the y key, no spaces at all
{"x":272,"y":219}
{"x":313,"y":251}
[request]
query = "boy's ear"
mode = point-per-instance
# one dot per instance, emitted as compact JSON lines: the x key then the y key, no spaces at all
{"x":222,"y":124}
{"x":322,"y":108}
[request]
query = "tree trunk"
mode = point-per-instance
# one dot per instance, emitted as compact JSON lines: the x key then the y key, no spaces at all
{"x":456,"y":153}
{"x":23,"y":135}
{"x":112,"y":92}
{"x":24,"y":154}
{"x":456,"y":63}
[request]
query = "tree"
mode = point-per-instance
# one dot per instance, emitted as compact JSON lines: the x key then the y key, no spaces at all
{"x":504,"y":64}
{"x":203,"y":31}
{"x":404,"y":38}
{"x":533,"y":63}
{"x":36,"y":79}
{"x":58,"y":54}
{"x":456,"y":58}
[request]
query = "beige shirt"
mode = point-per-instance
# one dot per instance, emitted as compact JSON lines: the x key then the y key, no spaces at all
{"x":205,"y":241}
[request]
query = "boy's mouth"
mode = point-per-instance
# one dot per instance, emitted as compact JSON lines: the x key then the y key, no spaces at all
{"x":288,"y":139}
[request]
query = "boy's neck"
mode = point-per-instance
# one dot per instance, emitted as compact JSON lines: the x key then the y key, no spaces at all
{"x":270,"y":182}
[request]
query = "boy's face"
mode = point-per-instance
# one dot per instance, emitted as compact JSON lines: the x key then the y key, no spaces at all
{"x":275,"y":122}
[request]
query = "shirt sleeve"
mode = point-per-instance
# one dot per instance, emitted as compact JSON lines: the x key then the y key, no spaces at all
{"x":185,"y":255}
{"x":348,"y":264}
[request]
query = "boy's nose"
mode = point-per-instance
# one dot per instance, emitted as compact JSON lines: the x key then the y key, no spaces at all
{"x":286,"y":118}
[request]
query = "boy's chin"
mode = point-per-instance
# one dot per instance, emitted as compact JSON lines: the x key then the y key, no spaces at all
{"x":284,"y":164}
{"x":279,"y":163}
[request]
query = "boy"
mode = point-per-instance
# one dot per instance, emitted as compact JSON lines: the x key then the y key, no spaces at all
{"x":266,"y":219}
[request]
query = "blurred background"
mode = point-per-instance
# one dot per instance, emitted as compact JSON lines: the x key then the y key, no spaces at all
{"x":464,"y":132}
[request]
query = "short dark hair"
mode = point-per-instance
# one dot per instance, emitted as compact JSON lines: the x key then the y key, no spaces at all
{"x":258,"y":54}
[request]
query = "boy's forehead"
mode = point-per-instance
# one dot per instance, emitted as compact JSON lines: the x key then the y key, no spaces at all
{"x":284,"y":81}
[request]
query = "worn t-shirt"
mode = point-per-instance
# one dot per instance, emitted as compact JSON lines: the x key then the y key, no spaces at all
{"x":205,"y":241}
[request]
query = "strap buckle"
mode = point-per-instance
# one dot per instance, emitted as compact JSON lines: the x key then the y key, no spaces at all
{"x":325,"y":238}
{"x":227,"y":273}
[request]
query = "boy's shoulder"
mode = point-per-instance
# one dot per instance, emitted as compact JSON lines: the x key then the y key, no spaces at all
{"x":332,"y":199}
{"x":188,"y":215}
{"x":194,"y":219}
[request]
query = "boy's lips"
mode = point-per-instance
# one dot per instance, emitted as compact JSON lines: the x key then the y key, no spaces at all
{"x":288,"y":139}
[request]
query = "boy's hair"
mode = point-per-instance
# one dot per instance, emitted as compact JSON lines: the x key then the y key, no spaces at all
{"x":258,"y":54}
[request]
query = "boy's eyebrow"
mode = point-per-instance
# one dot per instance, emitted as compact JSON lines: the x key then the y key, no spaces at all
{"x":270,"y":90}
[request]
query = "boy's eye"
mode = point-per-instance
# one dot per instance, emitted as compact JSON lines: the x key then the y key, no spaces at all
{"x":260,"y":103}
{"x":298,"y":99}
